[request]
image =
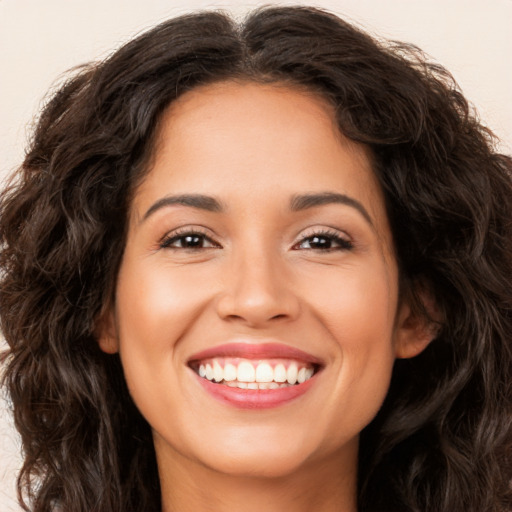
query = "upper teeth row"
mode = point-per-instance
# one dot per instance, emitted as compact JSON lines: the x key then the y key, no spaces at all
{"x":261,"y":372}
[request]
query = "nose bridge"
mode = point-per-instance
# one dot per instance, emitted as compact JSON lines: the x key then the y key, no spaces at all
{"x":257,"y":289}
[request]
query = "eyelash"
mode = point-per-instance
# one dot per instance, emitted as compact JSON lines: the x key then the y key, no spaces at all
{"x":333,"y":236}
{"x":181,"y":234}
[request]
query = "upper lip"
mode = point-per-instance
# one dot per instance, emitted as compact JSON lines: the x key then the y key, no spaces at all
{"x":248,"y":350}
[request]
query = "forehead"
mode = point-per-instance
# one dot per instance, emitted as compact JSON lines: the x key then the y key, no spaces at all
{"x":257,"y":142}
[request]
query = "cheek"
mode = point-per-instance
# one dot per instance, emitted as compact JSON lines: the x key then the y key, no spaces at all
{"x":155,"y":308}
{"x":356,"y":305}
{"x":357,"y":312}
{"x":156,"y":304}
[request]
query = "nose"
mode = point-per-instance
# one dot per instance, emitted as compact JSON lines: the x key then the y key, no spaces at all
{"x":257,"y":290}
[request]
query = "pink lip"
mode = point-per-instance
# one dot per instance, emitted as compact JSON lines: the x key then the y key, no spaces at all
{"x":255,"y":398}
{"x":256,"y":351}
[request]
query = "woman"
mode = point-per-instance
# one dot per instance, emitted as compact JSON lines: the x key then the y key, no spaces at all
{"x":260,"y":266}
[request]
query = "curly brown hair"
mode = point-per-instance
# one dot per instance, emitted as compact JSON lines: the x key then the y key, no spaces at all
{"x":442,"y":440}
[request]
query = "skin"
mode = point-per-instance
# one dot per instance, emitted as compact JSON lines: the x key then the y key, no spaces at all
{"x":258,"y":277}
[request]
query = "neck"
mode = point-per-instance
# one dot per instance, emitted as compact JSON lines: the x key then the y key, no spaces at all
{"x":188,"y":486}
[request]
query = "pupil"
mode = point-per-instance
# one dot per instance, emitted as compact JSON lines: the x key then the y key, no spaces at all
{"x":192,"y":241}
{"x":321,"y":242}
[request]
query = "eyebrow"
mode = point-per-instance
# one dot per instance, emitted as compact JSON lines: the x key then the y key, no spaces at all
{"x":305,"y":201}
{"x":199,"y":201}
{"x":297,"y":203}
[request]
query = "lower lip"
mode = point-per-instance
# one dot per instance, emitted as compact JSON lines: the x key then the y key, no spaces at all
{"x":255,"y":398}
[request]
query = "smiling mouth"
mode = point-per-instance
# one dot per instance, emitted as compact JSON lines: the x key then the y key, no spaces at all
{"x":254,"y":374}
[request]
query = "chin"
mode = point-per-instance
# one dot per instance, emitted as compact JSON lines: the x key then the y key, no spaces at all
{"x":261,"y":452}
{"x":261,"y":464}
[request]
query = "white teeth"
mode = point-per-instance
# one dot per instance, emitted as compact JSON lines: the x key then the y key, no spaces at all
{"x":291,"y":373}
{"x":280,"y":373}
{"x":254,"y":385}
{"x":209,"y":372}
{"x":252,"y":375}
{"x":246,"y":372}
{"x":264,"y":373}
{"x":230,"y":372}
{"x":218,"y":372}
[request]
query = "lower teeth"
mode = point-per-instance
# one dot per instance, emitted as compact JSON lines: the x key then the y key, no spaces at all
{"x":254,"y":385}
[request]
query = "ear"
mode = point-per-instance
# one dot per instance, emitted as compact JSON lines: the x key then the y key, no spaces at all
{"x":414,"y":329}
{"x":106,"y":332}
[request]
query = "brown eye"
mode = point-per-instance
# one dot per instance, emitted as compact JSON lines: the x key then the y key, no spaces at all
{"x":324,"y":242}
{"x":188,"y":241}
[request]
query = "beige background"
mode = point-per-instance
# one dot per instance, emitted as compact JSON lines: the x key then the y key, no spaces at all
{"x":41,"y":39}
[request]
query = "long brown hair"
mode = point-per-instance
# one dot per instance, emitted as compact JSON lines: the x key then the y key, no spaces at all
{"x":442,"y":440}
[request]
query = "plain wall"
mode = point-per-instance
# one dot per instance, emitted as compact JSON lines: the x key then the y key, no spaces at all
{"x":41,"y":39}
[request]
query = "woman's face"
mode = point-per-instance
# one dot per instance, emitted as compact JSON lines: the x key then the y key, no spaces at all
{"x":258,"y":253}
